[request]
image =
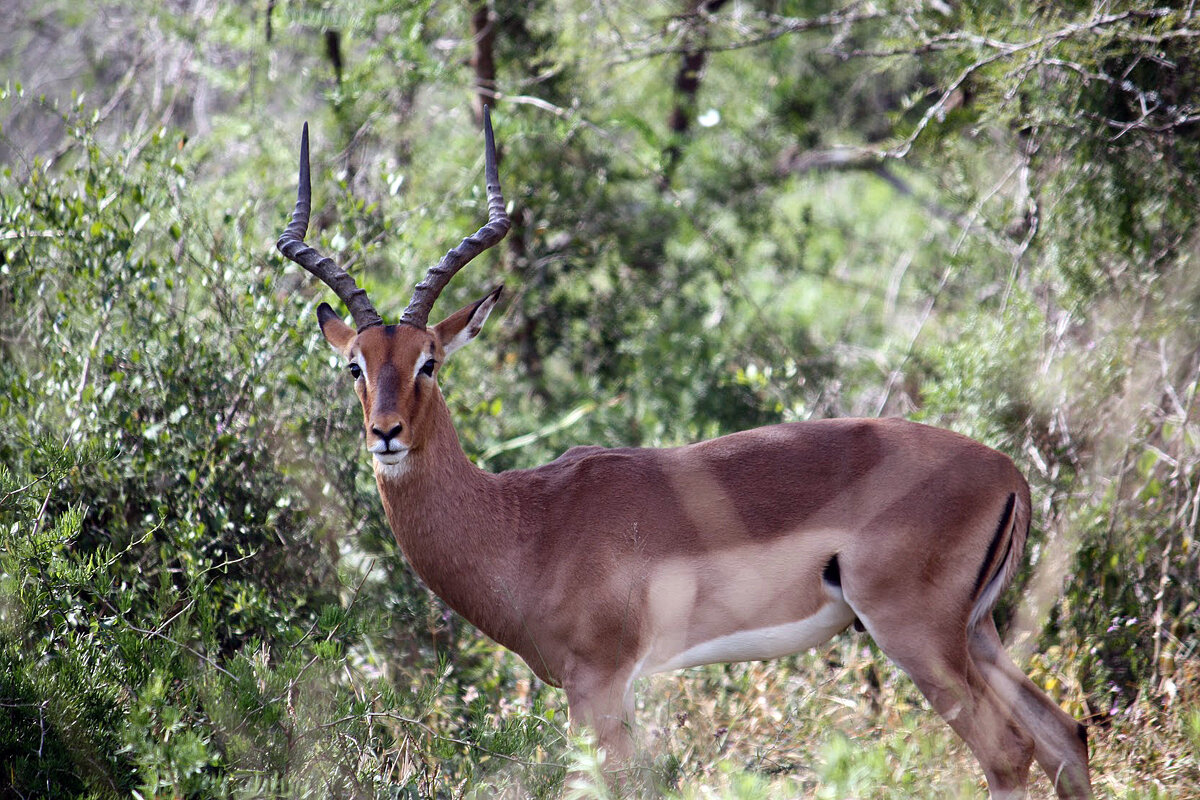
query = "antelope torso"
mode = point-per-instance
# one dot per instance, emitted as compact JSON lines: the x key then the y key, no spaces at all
{"x":609,"y":564}
{"x":667,"y":558}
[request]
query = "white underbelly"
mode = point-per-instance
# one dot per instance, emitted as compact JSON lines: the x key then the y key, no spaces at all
{"x":758,"y":644}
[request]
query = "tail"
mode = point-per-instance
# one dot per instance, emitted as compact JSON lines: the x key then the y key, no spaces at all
{"x":1003,"y":555}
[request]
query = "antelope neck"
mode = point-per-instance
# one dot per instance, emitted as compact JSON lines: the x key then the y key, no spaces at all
{"x":452,"y":521}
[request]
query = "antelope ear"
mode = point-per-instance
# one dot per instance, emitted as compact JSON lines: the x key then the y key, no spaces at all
{"x":337,"y":333}
{"x":464,"y":325}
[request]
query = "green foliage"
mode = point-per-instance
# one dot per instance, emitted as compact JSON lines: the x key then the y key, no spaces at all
{"x":173,"y":617}
{"x":982,"y":216}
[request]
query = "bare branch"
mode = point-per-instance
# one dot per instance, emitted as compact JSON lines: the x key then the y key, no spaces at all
{"x":483,"y":59}
{"x":776,"y":28}
{"x":687,"y":82}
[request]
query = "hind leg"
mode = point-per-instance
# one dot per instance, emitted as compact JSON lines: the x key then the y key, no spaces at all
{"x":938,"y":661}
{"x":1060,"y":743}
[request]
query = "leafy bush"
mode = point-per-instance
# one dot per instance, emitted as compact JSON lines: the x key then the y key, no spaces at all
{"x":198,"y":593}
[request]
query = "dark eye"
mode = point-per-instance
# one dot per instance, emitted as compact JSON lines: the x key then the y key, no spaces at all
{"x":355,"y":370}
{"x":427,"y":367}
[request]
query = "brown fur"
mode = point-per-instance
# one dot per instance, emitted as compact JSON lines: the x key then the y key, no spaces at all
{"x":606,"y":562}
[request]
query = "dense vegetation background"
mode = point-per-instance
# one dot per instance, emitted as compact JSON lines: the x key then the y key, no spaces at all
{"x":728,"y":213}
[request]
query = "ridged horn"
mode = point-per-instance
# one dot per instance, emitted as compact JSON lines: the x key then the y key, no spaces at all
{"x":292,"y":245}
{"x":427,"y":291}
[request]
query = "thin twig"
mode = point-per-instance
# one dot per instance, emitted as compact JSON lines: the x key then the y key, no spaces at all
{"x":371,"y":715}
{"x":87,"y":359}
{"x":191,"y":650}
{"x":782,"y":26}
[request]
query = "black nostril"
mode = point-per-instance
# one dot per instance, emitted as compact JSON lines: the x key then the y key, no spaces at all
{"x":392,"y":434}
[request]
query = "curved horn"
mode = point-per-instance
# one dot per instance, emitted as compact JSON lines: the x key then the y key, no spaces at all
{"x":292,"y":245}
{"x":427,"y":291}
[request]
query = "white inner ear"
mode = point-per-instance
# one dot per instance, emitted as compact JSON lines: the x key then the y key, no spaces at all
{"x":472,"y":328}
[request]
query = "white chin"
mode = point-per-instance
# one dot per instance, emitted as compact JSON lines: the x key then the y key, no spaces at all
{"x":390,"y":459}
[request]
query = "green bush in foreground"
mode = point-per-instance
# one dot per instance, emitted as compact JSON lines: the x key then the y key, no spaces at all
{"x":198,"y":594}
{"x":174,"y":618}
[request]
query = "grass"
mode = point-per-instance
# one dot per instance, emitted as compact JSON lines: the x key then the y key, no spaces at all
{"x":840,"y":723}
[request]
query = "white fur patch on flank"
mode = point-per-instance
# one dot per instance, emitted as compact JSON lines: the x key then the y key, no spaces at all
{"x":760,"y":644}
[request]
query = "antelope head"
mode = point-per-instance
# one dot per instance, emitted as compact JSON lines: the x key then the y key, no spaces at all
{"x":605,"y":565}
{"x":395,"y":366}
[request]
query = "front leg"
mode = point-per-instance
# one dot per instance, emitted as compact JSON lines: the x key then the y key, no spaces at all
{"x":601,"y":702}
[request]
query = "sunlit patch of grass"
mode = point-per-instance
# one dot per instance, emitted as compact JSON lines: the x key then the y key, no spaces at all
{"x":844,"y":723}
{"x":1152,"y":748}
{"x":836,"y":723}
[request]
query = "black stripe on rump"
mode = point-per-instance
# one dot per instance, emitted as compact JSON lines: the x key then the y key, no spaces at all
{"x":832,"y":574}
{"x":989,"y":564}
